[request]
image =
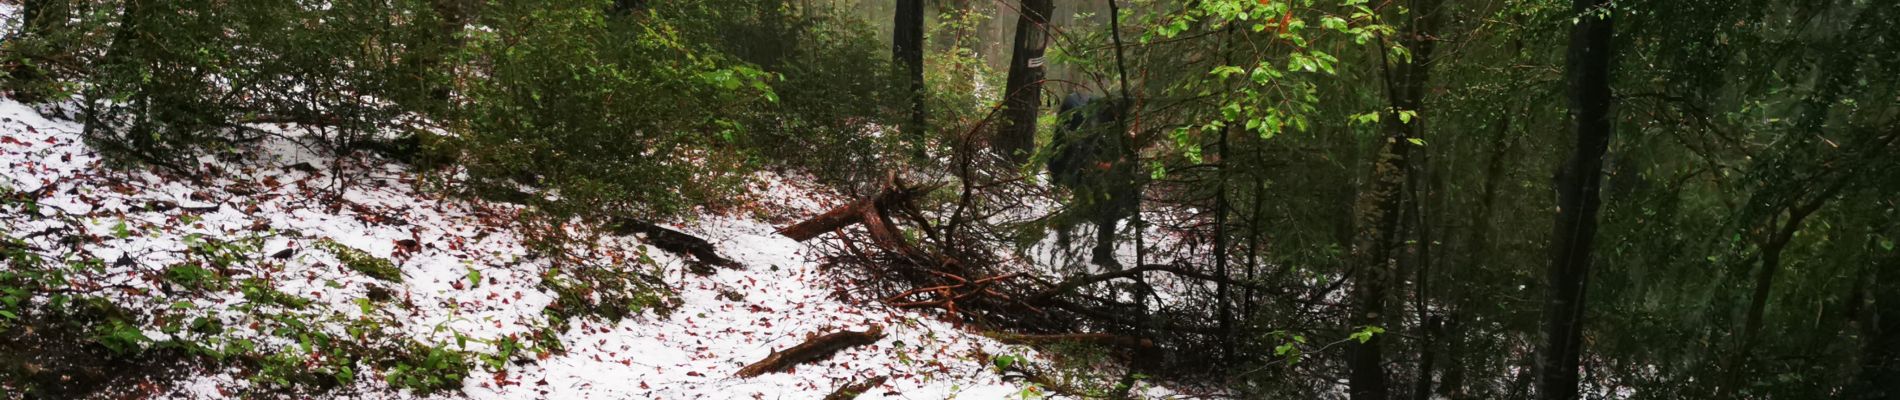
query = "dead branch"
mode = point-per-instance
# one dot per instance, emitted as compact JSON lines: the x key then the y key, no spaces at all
{"x":852,"y":390}
{"x":948,"y":295}
{"x":676,"y":242}
{"x":814,"y":348}
{"x":864,"y":210}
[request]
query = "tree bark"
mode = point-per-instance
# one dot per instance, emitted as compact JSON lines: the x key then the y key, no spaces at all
{"x":1381,"y":206}
{"x":1016,"y":139}
{"x":907,"y":47}
{"x":1587,"y":68}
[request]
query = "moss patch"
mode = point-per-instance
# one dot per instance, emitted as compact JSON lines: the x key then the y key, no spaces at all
{"x":359,"y":261}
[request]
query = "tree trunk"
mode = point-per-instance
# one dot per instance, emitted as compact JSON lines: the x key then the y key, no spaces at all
{"x":1016,"y":138}
{"x":1223,"y":310}
{"x":1381,"y":206}
{"x":1771,"y":250}
{"x":1477,"y":248}
{"x":1429,"y":325}
{"x":907,"y":47}
{"x":1588,"y":71}
{"x":455,"y":15}
{"x":1879,"y":376}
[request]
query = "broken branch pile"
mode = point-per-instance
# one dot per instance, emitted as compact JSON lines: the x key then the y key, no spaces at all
{"x":951,"y":265}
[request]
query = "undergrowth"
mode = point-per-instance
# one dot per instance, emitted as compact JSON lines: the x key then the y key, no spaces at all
{"x":64,"y":334}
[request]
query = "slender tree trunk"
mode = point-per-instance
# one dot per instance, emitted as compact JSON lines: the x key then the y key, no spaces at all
{"x":1223,"y":310}
{"x":1879,"y":376}
{"x":454,"y":15}
{"x":1253,"y":244}
{"x":1381,"y":206}
{"x":907,"y":47}
{"x":1022,"y":96}
{"x":1832,"y":84}
{"x":1588,"y":71}
{"x":1476,"y":249}
{"x":1429,"y":325}
{"x":1771,"y":249}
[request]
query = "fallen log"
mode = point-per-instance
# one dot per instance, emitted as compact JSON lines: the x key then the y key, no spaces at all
{"x":814,"y":348}
{"x":676,"y":242}
{"x":852,"y":390}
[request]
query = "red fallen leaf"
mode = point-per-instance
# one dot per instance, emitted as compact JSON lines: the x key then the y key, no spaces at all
{"x":542,"y":382}
{"x":693,"y":373}
{"x":643,"y":385}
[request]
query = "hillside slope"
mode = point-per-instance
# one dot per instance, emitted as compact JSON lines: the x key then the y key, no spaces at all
{"x":301,"y":270}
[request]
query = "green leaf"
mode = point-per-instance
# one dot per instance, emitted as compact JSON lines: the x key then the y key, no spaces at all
{"x":1004,"y":361}
{"x":1365,"y":334}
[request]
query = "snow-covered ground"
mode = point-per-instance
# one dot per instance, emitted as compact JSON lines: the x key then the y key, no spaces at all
{"x":468,"y":278}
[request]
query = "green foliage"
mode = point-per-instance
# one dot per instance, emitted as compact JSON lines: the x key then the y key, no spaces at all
{"x":427,"y":369}
{"x":1365,"y":334}
{"x":363,"y":262}
{"x":182,"y":77}
{"x":615,"y":113}
{"x":611,"y":293}
{"x":832,"y":96}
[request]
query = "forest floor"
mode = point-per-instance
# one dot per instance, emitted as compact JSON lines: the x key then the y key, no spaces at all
{"x":282,"y":243}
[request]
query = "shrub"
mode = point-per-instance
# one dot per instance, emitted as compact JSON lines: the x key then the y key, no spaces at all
{"x":178,"y":78}
{"x":835,"y":84}
{"x":609,"y":114}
